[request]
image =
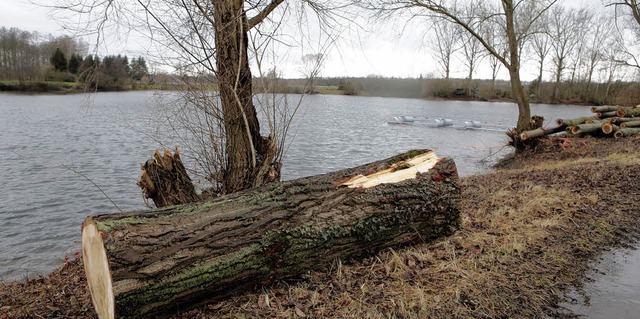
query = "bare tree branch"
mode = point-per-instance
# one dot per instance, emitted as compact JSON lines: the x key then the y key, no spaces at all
{"x":264,"y":13}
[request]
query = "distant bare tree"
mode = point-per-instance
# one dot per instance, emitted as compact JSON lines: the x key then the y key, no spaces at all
{"x":473,"y":54}
{"x":492,"y":35}
{"x":600,"y":34}
{"x":540,"y":46}
{"x":311,"y":67}
{"x":586,"y":19}
{"x":25,"y":56}
{"x":628,"y":12}
{"x":611,"y":69}
{"x":446,"y":43}
{"x":631,"y":7}
{"x":564,"y":29}
{"x":472,"y":49}
{"x":516,"y":19}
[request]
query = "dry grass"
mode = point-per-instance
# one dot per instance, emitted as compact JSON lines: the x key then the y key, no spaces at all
{"x":528,"y":234}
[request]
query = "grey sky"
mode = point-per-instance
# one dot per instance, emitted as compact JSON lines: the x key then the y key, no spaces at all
{"x":367,"y":53}
{"x":23,"y":15}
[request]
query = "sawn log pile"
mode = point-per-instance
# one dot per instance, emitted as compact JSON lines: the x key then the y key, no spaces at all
{"x":606,"y":121}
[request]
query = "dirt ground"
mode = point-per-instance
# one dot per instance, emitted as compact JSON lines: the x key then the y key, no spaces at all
{"x":529,"y":232}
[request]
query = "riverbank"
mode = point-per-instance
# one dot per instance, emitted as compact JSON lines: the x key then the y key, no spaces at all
{"x":52,"y":87}
{"x":39,"y":87}
{"x":529,"y":233}
{"x":72,"y":87}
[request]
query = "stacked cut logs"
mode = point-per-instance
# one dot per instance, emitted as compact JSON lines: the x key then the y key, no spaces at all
{"x":606,"y":121}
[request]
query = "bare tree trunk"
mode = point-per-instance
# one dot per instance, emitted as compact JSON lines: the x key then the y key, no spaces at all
{"x":524,"y":113}
{"x":521,"y":98}
{"x":249,"y":155}
{"x":539,"y":89}
{"x":469,"y":80}
{"x":556,"y":86}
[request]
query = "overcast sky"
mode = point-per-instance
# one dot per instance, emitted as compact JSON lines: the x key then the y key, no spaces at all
{"x":361,"y":54}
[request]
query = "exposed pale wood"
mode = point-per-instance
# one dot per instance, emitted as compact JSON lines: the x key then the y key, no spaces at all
{"x":608,"y":128}
{"x":96,"y":266}
{"x":539,"y":132}
{"x":174,"y":258}
{"x":396,"y":173}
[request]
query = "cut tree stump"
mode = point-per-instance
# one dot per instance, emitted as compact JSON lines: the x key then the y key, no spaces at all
{"x":165,"y":180}
{"x":155,"y":263}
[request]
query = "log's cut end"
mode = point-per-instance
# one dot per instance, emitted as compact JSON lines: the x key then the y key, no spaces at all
{"x":96,"y":267}
{"x":608,"y":128}
{"x":397,"y":172}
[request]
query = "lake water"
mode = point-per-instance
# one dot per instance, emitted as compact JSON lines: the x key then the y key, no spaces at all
{"x":53,"y":148}
{"x":614,"y":288}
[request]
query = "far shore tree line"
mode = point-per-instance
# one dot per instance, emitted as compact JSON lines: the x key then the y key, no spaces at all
{"x":579,"y":55}
{"x":571,"y":92}
{"x":28,"y":58}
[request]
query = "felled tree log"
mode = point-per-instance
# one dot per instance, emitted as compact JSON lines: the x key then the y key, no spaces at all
{"x":585,"y":128}
{"x":576,"y":121}
{"x":540,"y":132}
{"x":601,"y":121}
{"x":164,"y":180}
{"x":624,"y":132}
{"x":630,"y":124}
{"x":604,"y":108}
{"x":627,"y":119}
{"x":153,"y":263}
{"x":602,"y":115}
{"x":631,"y":112}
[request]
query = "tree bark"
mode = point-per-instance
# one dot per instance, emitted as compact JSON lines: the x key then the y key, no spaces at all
{"x":630,"y":124}
{"x":630,"y":112}
{"x":165,"y":180}
{"x":540,"y":132}
{"x":624,"y":132}
{"x":603,"y":115}
{"x":626,"y":119}
{"x":604,"y":108}
{"x":524,"y":111}
{"x":586,"y":128}
{"x":576,"y":121}
{"x":154,"y":263}
{"x":250,"y":157}
{"x":556,"y":85}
